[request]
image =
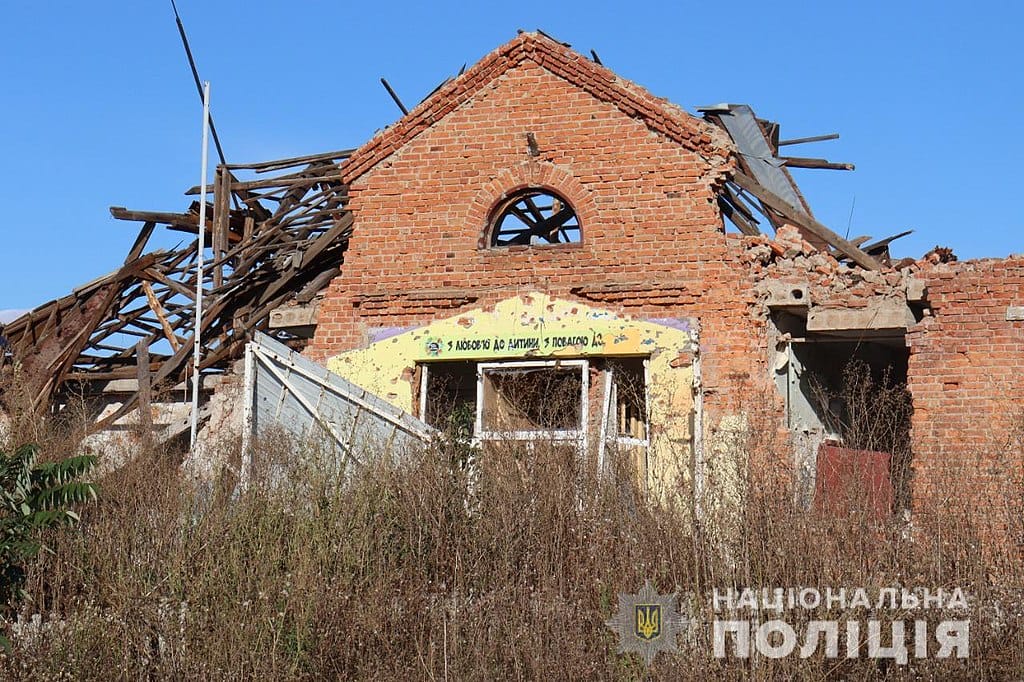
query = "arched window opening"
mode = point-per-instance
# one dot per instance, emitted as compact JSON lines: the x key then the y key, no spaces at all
{"x":534,"y":217}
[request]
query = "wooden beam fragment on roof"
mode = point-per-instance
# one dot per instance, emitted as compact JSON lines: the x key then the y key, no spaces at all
{"x":221,"y":218}
{"x":732,"y":212}
{"x":303,"y":178}
{"x":813,"y":138}
{"x":287,"y":163}
{"x":158,"y":310}
{"x":140,"y":242}
{"x":145,"y":399}
{"x":164,"y":217}
{"x":803,"y":220}
{"x":802,"y":162}
{"x":884,"y":243}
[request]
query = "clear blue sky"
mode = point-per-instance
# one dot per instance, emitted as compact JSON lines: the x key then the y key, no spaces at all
{"x":99,"y":107}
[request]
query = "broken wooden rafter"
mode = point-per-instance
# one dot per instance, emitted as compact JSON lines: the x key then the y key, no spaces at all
{"x":884,"y":243}
{"x":264,"y":166}
{"x":731,"y":211}
{"x":802,"y":220}
{"x":271,"y":183}
{"x":263,"y":255}
{"x":158,"y":310}
{"x":162,"y":217}
{"x":801,"y":162}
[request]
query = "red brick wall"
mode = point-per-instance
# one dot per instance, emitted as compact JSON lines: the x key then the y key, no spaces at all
{"x":967,"y":379}
{"x":645,"y":202}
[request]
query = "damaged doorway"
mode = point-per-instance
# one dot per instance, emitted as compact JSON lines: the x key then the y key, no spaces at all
{"x":845,"y":395}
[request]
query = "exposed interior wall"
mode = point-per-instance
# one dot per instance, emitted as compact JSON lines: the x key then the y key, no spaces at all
{"x":825,"y":320}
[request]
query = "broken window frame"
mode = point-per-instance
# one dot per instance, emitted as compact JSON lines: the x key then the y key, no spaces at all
{"x":577,"y":436}
{"x":609,"y":436}
{"x":609,"y":414}
{"x":547,"y":224}
{"x":425,"y":377}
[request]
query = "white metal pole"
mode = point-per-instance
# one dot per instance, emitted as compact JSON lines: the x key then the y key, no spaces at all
{"x":197,"y":349}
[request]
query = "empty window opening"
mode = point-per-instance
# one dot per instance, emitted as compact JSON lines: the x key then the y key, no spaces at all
{"x":839,"y":387}
{"x":624,"y":425}
{"x":490,"y":401}
{"x":448,"y":397}
{"x":629,"y":396}
{"x":527,"y":399}
{"x":534,"y":217}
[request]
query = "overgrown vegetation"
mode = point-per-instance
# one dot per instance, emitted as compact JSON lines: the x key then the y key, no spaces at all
{"x":391,"y":574}
{"x":872,"y":411}
{"x":34,"y":497}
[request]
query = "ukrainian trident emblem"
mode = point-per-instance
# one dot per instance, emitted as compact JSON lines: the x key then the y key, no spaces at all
{"x":647,"y":622}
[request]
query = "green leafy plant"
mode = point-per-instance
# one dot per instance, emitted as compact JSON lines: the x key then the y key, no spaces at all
{"x":34,"y":497}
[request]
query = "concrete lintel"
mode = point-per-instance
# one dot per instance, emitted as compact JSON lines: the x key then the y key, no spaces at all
{"x":788,"y":295}
{"x":884,"y":314}
{"x":294,"y":316}
{"x":1015,"y":313}
{"x":917,"y":290}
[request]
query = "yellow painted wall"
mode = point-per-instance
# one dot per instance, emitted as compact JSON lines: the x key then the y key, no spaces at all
{"x":535,"y":325}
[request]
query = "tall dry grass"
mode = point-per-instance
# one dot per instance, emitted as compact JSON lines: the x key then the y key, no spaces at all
{"x":409,"y":570}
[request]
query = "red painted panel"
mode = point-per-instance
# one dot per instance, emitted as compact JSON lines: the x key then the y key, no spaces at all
{"x":852,"y":481}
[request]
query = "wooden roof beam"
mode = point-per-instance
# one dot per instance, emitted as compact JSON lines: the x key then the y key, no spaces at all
{"x":794,"y":215}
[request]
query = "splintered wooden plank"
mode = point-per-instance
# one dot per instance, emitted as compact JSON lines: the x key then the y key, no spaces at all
{"x":175,"y":285}
{"x":140,"y":242}
{"x":294,"y":161}
{"x":803,"y":220}
{"x":221,"y":216}
{"x":814,"y":138}
{"x":143,"y":376}
{"x":185,"y":219}
{"x":283,"y":182}
{"x":317,"y":284}
{"x":312,"y":217}
{"x":802,"y":162}
{"x":884,"y":243}
{"x":158,"y":310}
{"x":730,"y":211}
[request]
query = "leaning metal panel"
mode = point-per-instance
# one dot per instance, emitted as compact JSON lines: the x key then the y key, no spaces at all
{"x":287,"y":393}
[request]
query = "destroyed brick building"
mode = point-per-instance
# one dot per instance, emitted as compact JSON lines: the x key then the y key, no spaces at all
{"x":548,"y":251}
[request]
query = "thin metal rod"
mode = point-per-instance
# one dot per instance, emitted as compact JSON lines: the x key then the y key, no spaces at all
{"x":394,"y":96}
{"x":195,"y":77}
{"x":197,"y":331}
{"x":815,"y":138}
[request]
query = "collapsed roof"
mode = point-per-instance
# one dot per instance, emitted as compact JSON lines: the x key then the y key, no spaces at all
{"x":279,"y":234}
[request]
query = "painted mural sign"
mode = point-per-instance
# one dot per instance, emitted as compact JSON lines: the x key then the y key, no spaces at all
{"x":583,"y":343}
{"x":537,"y":326}
{"x":532,"y":325}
